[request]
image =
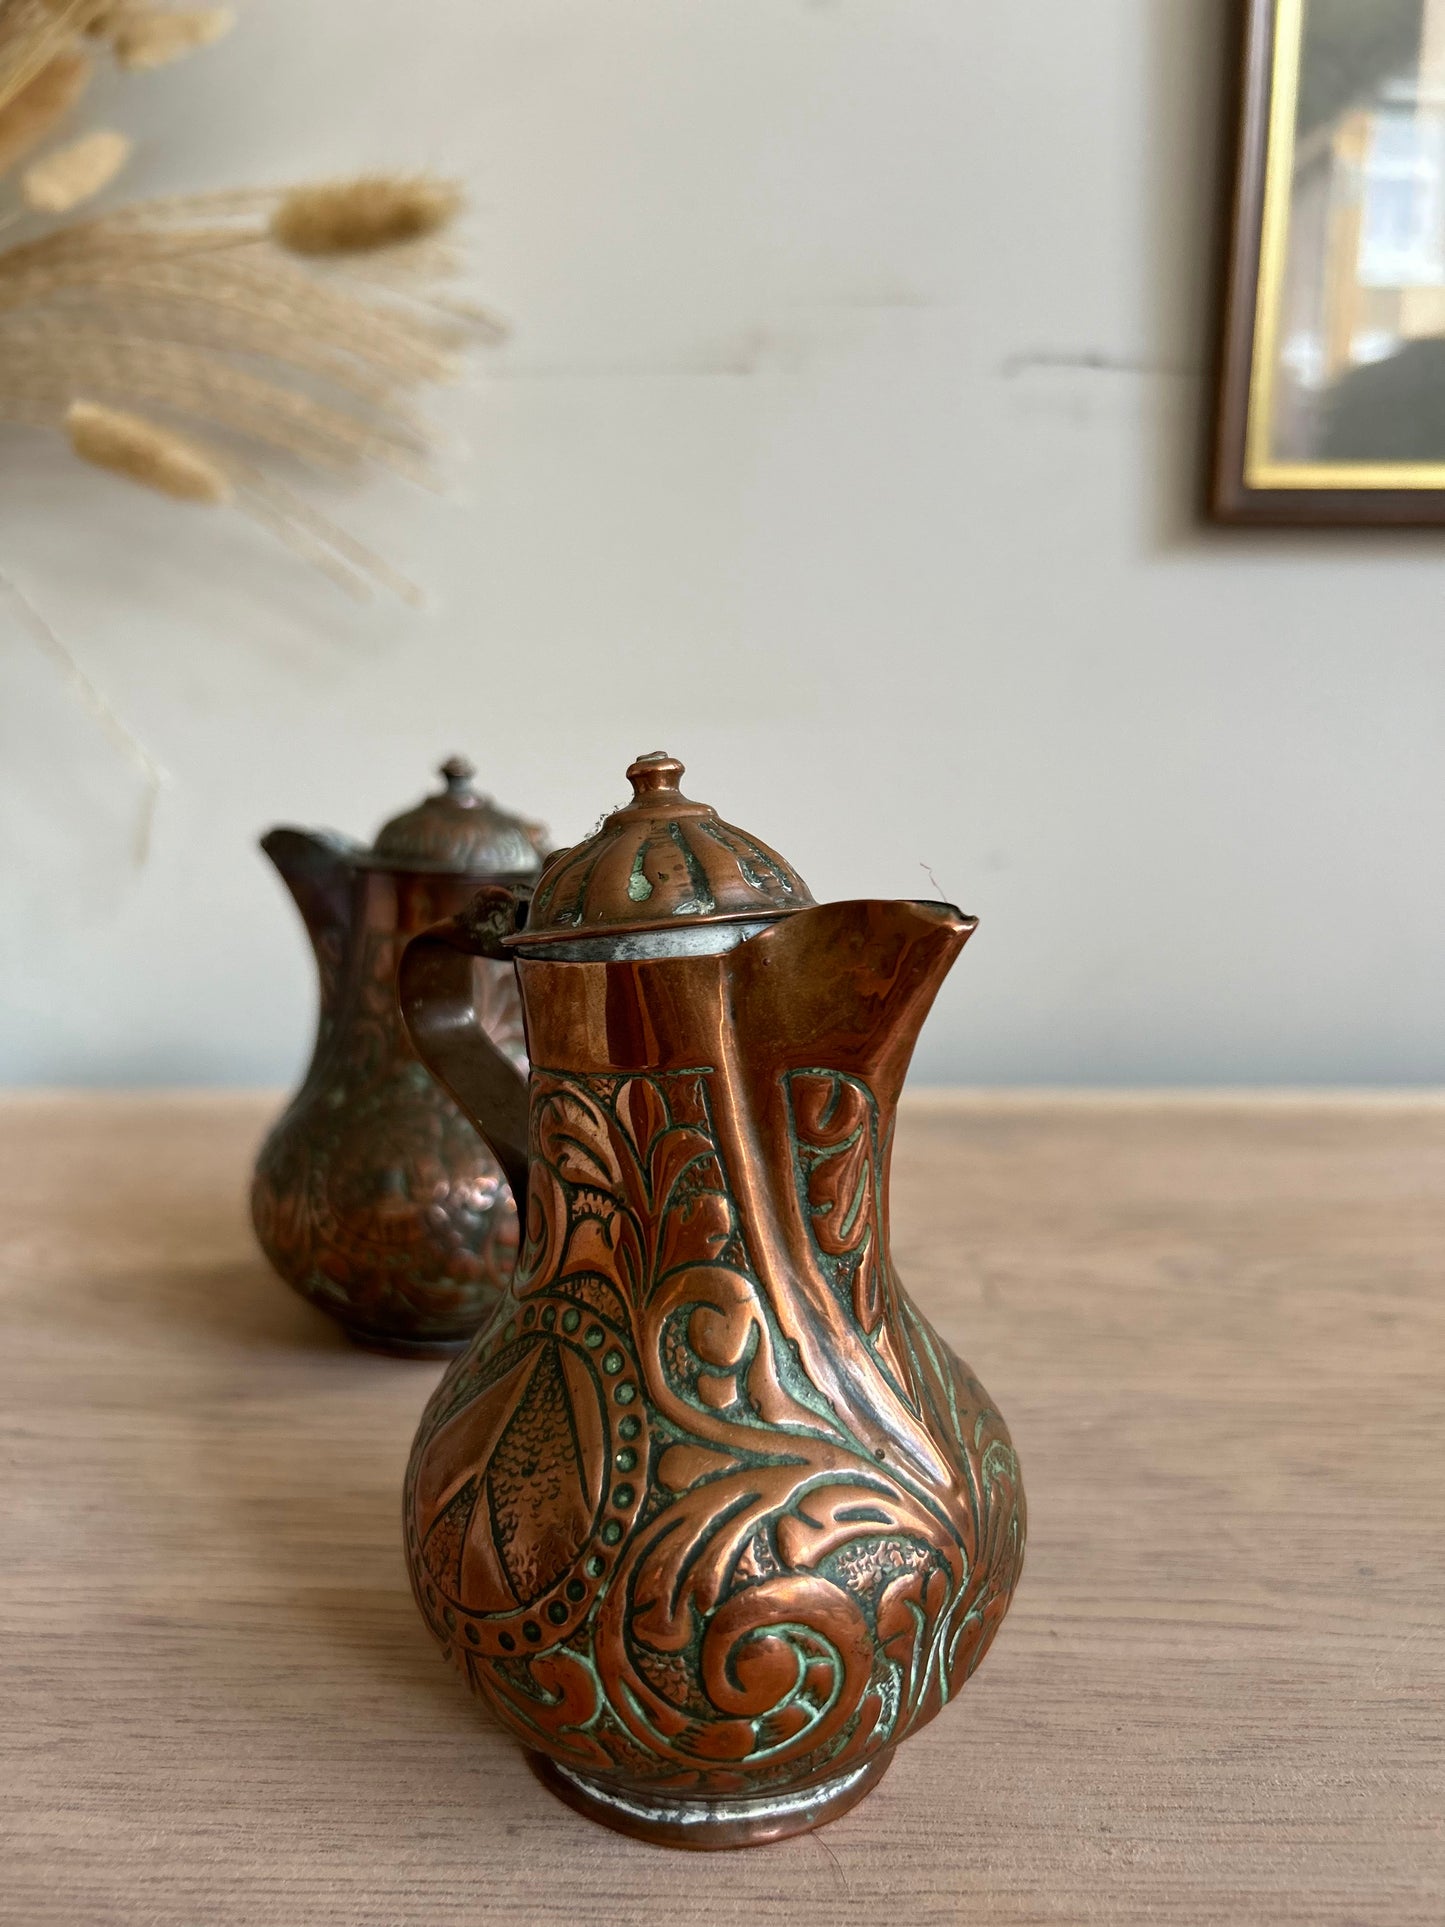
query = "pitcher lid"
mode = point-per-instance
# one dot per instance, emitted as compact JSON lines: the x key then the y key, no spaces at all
{"x":660,"y":862}
{"x":461,"y":831}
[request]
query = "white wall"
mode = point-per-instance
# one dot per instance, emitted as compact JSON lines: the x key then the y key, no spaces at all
{"x":845,"y":447}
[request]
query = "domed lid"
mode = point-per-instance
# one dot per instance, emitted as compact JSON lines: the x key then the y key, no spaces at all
{"x":461,"y":831}
{"x":660,"y":862}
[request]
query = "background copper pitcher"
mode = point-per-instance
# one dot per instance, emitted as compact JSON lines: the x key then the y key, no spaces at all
{"x":373,"y":1195}
{"x":707,"y":1513}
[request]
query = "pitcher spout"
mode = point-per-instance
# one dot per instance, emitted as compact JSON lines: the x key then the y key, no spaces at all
{"x":850,"y":981}
{"x":317,"y":870}
{"x":830,"y":1002}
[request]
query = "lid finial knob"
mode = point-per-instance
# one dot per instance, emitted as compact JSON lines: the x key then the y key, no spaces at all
{"x":456,"y":772}
{"x":654,"y":772}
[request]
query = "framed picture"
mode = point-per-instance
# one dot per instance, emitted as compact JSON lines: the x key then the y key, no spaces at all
{"x":1332,"y":392}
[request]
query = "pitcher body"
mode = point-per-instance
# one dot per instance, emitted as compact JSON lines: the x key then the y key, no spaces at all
{"x":373,"y":1195}
{"x":707,"y":1513}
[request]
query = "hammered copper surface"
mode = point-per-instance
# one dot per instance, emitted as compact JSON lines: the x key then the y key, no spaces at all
{"x":707,"y":1513}
{"x":373,"y":1195}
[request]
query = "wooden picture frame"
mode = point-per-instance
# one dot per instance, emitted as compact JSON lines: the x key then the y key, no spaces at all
{"x":1331,"y":401}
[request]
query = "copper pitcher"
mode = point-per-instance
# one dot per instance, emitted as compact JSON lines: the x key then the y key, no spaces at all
{"x":373,"y":1196}
{"x":707,"y":1514}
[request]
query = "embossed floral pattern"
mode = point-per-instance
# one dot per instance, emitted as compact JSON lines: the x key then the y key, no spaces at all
{"x":653,"y":1543}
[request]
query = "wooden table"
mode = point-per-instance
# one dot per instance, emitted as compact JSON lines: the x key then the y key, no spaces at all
{"x":1217,"y":1328}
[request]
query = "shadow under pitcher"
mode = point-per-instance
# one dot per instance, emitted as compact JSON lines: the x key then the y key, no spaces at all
{"x":706,"y":1513}
{"x":373,"y":1196}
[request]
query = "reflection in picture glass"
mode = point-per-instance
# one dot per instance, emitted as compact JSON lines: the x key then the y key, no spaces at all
{"x":1353,"y":356}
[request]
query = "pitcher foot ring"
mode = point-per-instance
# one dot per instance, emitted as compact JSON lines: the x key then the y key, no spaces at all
{"x":706,"y":1826}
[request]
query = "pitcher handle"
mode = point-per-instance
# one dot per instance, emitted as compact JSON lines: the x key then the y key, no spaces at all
{"x":437,"y":990}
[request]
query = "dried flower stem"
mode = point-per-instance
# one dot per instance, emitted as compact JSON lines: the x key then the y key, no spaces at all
{"x":37,"y":109}
{"x":99,"y":706}
{"x":32,"y":32}
{"x":319,"y":540}
{"x":139,"y":317}
{"x":212,"y":389}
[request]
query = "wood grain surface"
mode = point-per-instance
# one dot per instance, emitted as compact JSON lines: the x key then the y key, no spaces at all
{"x":1217,"y":1329}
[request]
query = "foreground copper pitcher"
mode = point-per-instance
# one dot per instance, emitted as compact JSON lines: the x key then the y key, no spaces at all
{"x":707,"y":1514}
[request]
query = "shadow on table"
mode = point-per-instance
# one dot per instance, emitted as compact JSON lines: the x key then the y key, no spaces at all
{"x":296,"y":1445}
{"x":245,"y":1303}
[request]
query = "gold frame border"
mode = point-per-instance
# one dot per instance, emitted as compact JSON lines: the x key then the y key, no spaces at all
{"x":1261,"y":471}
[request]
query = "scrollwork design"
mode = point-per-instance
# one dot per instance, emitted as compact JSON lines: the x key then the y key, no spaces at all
{"x":647,"y":1537}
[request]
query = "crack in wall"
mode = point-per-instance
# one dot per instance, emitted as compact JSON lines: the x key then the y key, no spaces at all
{"x":1094,"y":361}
